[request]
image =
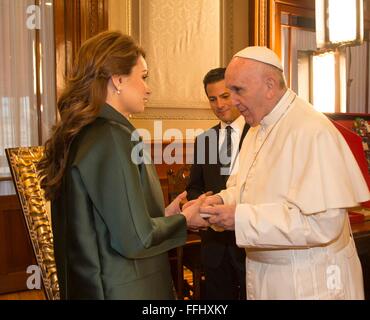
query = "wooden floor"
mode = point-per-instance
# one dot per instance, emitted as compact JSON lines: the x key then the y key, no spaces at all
{"x":25,"y":295}
{"x":39,"y":295}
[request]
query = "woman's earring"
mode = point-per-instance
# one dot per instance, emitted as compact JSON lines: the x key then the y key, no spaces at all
{"x":118,"y":91}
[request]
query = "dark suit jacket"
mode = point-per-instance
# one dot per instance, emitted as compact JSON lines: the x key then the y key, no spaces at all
{"x":110,"y":236}
{"x":206,"y":177}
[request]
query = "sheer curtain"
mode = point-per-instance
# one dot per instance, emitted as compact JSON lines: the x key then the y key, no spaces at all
{"x":355,"y":66}
{"x":301,"y":40}
{"x":356,"y":77}
{"x":18,"y":96}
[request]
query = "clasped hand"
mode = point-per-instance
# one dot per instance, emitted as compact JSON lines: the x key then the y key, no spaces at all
{"x":220,"y":216}
{"x":207,"y":210}
{"x":191,"y":213}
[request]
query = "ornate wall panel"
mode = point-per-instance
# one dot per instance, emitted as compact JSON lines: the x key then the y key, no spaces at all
{"x":183,"y":41}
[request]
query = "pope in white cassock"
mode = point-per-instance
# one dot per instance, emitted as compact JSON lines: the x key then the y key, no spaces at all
{"x":289,"y":191}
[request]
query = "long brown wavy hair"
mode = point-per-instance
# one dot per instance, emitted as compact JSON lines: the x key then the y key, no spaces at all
{"x":99,"y":58}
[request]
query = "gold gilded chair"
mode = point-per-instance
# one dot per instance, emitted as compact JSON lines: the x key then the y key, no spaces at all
{"x":23,"y":165}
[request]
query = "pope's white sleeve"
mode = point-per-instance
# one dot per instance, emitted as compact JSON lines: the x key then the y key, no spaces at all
{"x":228,"y":194}
{"x":284,"y":225}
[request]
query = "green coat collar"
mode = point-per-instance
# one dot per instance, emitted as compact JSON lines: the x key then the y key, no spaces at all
{"x":111,"y":114}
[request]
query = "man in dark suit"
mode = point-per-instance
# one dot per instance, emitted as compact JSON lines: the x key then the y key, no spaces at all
{"x":214,"y":154}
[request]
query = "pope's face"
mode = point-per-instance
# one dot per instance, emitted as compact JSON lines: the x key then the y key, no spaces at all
{"x":220,"y":102}
{"x":243,"y":78}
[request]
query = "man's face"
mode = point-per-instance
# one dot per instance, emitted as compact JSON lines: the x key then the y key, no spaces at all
{"x":243,"y":78}
{"x":220,"y":101}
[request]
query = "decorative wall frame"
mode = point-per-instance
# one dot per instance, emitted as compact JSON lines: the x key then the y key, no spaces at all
{"x":185,"y":111}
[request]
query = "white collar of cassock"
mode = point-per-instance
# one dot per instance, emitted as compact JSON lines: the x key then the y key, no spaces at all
{"x":278,"y":110}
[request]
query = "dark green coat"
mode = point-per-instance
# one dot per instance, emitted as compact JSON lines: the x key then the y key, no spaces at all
{"x":110,"y":234}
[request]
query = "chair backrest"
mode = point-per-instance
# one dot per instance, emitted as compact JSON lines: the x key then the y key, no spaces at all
{"x":23,"y":165}
{"x":189,"y":254}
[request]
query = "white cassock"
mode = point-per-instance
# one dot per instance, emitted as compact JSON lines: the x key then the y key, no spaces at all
{"x":294,"y":180}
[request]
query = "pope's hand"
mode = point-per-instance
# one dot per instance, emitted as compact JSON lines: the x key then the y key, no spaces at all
{"x":212,"y":201}
{"x":174,"y":206}
{"x":223,"y":216}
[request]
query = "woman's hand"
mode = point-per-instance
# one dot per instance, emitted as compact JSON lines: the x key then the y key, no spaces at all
{"x":193,"y":219}
{"x":174,"y":206}
{"x":191,"y":202}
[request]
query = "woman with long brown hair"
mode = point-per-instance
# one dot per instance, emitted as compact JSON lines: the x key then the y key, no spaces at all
{"x":111,"y":230}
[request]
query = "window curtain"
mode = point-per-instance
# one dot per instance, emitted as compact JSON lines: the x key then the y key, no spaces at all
{"x":18,"y":100}
{"x":355,"y":66}
{"x":356,"y":78}
{"x":301,"y":40}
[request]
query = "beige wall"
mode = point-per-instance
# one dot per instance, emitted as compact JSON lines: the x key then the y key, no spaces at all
{"x":240,"y":24}
{"x":185,"y":126}
{"x":119,"y":15}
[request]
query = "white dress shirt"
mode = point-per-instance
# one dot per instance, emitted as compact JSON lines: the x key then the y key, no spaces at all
{"x":236,"y":133}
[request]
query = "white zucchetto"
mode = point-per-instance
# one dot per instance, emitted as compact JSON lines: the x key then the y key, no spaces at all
{"x":261,"y":54}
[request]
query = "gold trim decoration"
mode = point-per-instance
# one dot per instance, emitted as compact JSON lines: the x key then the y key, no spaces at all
{"x":175,"y":114}
{"x":22,"y":163}
{"x":227,"y":31}
{"x":94,"y":17}
{"x":261,"y":23}
{"x":128,"y":17}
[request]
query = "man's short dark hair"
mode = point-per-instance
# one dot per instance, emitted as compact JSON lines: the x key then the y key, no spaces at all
{"x":213,"y":76}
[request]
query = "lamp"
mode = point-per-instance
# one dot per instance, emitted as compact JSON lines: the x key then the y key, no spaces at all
{"x":339,"y":22}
